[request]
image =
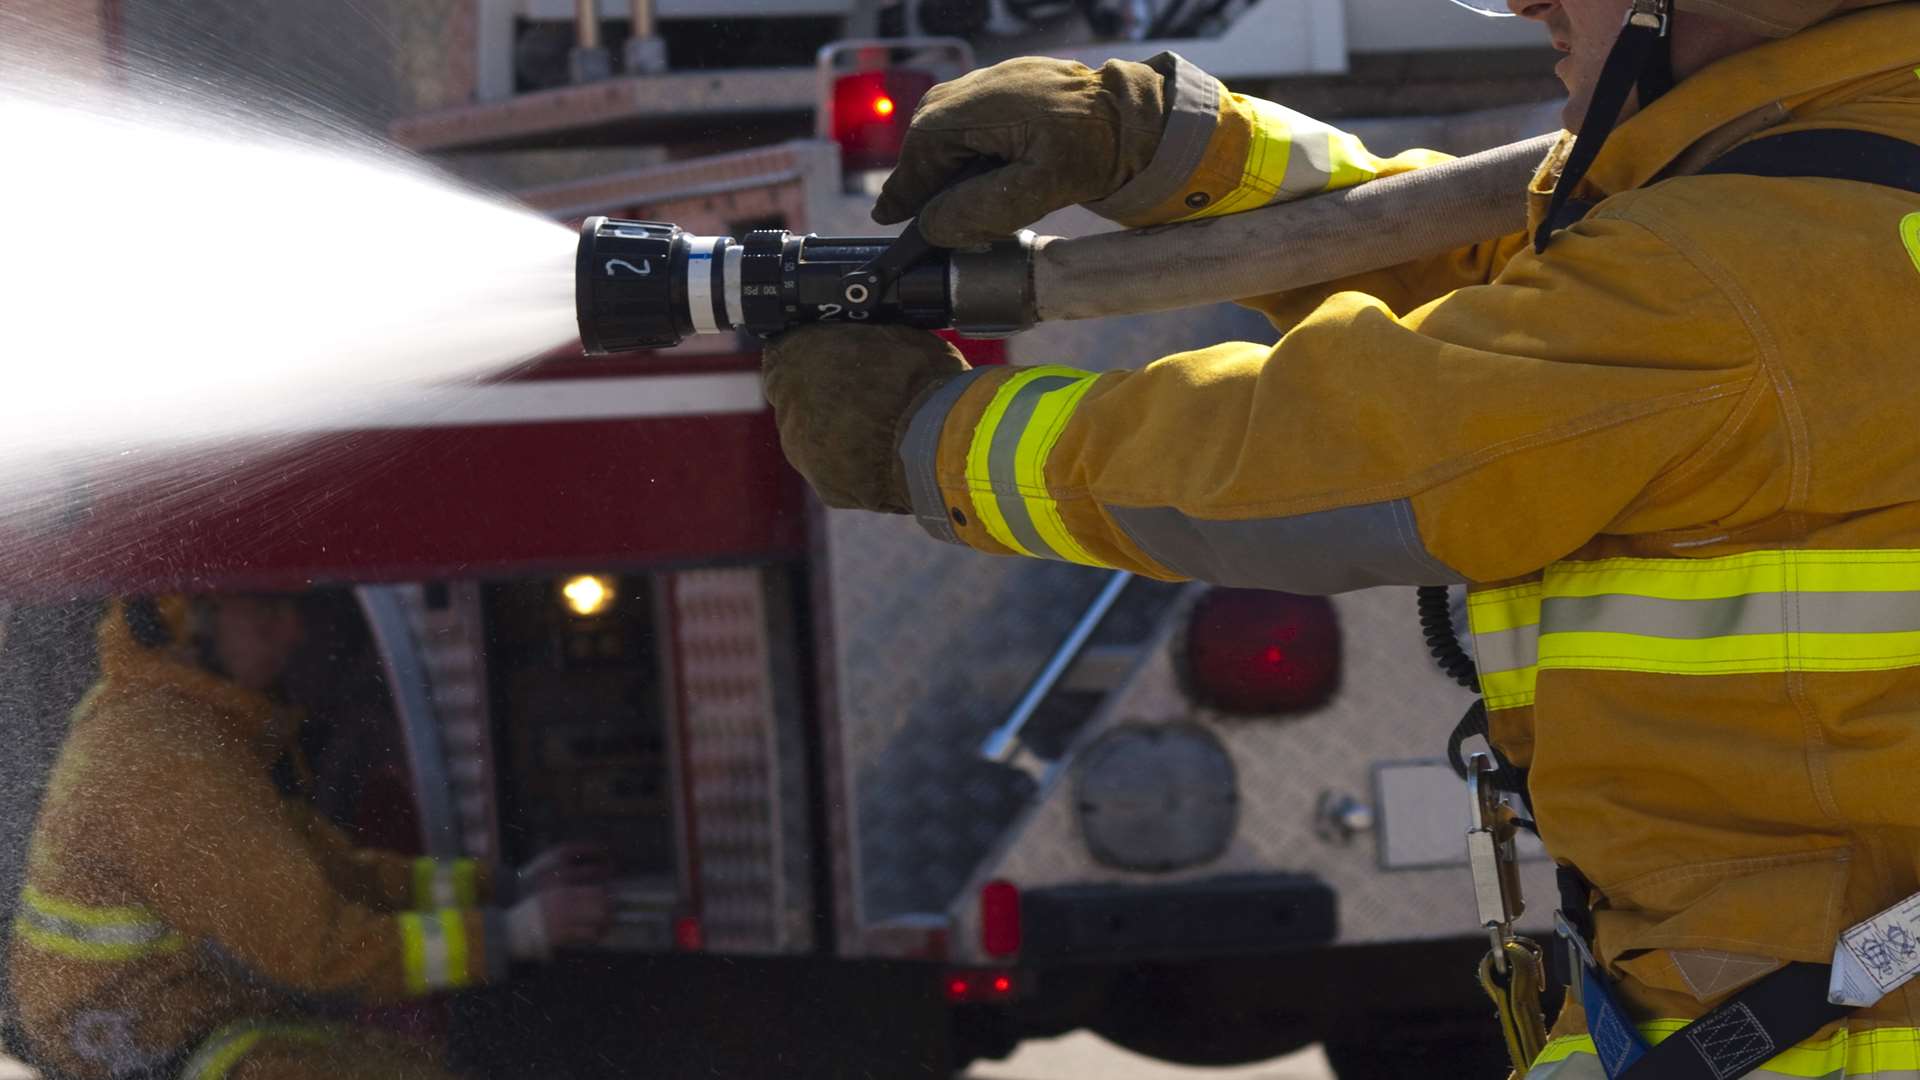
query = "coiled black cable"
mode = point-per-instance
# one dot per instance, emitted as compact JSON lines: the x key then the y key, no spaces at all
{"x":1436,"y":622}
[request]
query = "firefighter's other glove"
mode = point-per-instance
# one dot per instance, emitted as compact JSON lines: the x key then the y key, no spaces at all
{"x":842,"y":396}
{"x":1066,"y":134}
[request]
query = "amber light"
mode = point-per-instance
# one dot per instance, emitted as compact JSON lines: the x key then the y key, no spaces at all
{"x":1250,"y":652}
{"x":587,"y":595}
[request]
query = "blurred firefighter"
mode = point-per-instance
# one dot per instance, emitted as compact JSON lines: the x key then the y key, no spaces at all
{"x":181,"y":918}
{"x":1666,"y":436}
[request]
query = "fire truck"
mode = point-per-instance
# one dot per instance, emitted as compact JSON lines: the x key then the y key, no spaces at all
{"x":876,"y":805}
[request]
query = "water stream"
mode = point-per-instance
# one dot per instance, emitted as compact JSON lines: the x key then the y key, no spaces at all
{"x":183,"y":273}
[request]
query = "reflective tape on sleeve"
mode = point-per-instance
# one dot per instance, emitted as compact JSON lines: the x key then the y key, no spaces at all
{"x":435,"y":951}
{"x":445,"y":883}
{"x":1290,"y":155}
{"x":85,"y":932}
{"x":1006,"y":462}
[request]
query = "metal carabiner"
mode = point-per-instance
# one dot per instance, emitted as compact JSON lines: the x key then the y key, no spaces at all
{"x":1494,"y":858}
{"x":1515,"y":990}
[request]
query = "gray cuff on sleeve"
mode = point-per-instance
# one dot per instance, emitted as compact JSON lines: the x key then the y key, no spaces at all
{"x":499,"y":963}
{"x":920,"y":452}
{"x":1193,"y":115}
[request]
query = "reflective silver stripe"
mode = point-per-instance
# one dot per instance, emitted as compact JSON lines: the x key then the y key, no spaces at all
{"x":1309,"y":160}
{"x":433,"y":953}
{"x":920,"y":451}
{"x":1752,"y":613}
{"x":116,"y":935}
{"x":700,"y":283}
{"x":1001,"y":462}
{"x":730,"y":284}
{"x":1508,"y":650}
{"x":445,"y":895}
{"x":1329,"y":551}
{"x":1193,"y":115}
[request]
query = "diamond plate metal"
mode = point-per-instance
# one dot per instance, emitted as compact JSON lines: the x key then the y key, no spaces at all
{"x":1393,"y":705}
{"x":743,"y":802}
{"x":453,"y":652}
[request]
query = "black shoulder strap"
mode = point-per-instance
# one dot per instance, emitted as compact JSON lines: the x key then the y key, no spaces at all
{"x":1828,"y":153}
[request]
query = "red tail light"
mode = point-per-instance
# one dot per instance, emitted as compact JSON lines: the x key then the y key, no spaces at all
{"x":980,"y":987}
{"x":870,"y":114}
{"x":1251,"y":652}
{"x":688,"y":934}
{"x":999,"y":918}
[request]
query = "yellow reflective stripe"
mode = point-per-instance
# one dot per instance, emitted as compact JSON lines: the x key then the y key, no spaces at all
{"x":979,"y":469}
{"x":466,"y":883}
{"x":222,"y":1050}
{"x":434,"y":950}
{"x":1510,"y":689}
{"x":1760,"y":611}
{"x":413,"y":952}
{"x":1491,"y":611}
{"x":83,"y":932}
{"x":1736,"y":655}
{"x":1291,"y":155}
{"x":97,"y":951}
{"x":445,"y":883}
{"x":1510,"y":615}
{"x":1036,"y":444}
{"x":88,"y":915}
{"x":221,"y":1062}
{"x":1910,"y":233}
{"x":453,"y":927}
{"x":1888,"y":570}
{"x":426,"y":874}
{"x":1352,"y":164}
{"x":1842,"y":1052}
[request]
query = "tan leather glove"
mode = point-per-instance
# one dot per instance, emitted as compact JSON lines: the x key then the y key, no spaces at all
{"x":842,"y":396}
{"x":1067,"y":135}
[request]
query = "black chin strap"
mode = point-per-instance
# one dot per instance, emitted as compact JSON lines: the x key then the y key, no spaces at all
{"x":1641,"y":59}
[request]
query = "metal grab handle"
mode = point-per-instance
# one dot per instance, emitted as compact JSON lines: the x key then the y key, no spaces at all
{"x":1004,"y":743}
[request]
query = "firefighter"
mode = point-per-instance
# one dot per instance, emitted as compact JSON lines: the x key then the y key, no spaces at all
{"x":1666,"y":437}
{"x":181,"y":919}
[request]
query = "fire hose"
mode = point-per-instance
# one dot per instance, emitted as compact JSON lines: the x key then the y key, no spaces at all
{"x":649,"y":285}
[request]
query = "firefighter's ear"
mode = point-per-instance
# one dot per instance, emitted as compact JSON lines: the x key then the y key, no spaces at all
{"x":145,"y":622}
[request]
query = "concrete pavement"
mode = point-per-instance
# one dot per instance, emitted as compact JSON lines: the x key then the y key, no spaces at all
{"x":1083,"y":1055}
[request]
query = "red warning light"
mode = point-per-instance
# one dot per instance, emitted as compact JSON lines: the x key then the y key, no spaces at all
{"x":688,"y":934}
{"x":1256,"y":653}
{"x":957,"y":989}
{"x":869,"y":111}
{"x":1002,"y":985}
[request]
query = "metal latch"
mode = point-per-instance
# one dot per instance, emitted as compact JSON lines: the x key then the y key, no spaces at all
{"x":1513,"y":972}
{"x":1492,"y":852}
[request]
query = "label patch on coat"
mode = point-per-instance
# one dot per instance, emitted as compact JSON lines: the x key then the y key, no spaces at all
{"x":1876,"y":957}
{"x":1910,"y":232}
